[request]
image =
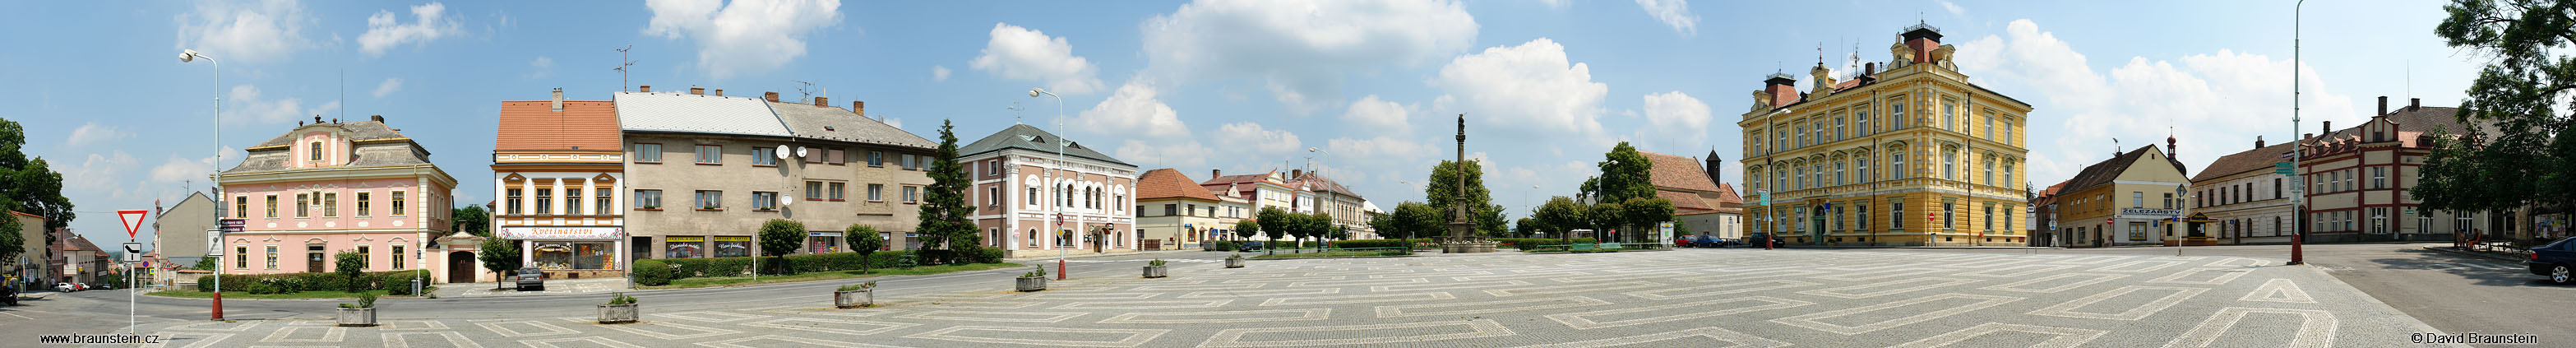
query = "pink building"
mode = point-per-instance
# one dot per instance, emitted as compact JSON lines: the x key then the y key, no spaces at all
{"x":329,"y":187}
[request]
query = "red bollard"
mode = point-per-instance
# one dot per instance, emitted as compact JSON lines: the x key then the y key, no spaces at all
{"x":2297,"y":257}
{"x":219,"y":304}
{"x":1059,"y":269}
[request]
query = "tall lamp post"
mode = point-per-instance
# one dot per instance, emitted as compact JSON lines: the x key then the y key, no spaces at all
{"x":188,"y":56}
{"x":2298,"y":208}
{"x":1057,"y":225}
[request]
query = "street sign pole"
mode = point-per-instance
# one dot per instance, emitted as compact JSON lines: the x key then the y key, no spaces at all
{"x":133,"y":220}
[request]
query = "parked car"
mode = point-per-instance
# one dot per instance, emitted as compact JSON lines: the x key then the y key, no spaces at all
{"x":1756,"y":240}
{"x":2555,"y":261}
{"x":1682,"y":242}
{"x":66,"y":287}
{"x":1249,"y":246}
{"x":529,"y":279}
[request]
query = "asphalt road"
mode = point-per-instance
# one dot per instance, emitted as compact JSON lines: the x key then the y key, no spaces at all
{"x":2452,"y":293}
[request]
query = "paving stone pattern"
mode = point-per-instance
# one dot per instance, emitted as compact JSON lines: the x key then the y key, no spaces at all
{"x":1687,"y":298}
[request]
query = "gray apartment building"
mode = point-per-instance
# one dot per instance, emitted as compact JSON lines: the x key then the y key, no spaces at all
{"x":706,"y":170}
{"x":179,"y":232}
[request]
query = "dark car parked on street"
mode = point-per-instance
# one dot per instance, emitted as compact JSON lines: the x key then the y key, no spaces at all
{"x":529,"y":279}
{"x":2555,"y":261}
{"x":1248,"y":247}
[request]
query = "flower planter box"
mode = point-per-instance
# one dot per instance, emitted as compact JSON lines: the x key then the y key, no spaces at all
{"x":1233,"y":263}
{"x":357,"y":317}
{"x":1029,"y":284}
{"x":1157,"y":271}
{"x":618,"y":313}
{"x":854,"y":298}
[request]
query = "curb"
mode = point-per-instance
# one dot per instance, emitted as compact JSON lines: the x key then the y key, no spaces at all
{"x":1070,"y":257}
{"x":1332,"y":257}
{"x":2472,"y":254}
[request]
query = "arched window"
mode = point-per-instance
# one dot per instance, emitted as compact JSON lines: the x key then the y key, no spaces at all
{"x":1861,"y":167}
{"x":1896,"y":164}
{"x":1838,"y":173}
{"x":1949,"y":164}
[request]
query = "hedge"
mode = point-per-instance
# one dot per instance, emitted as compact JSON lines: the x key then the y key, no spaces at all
{"x":280,"y":283}
{"x":1535,"y":243}
{"x":658,"y":272}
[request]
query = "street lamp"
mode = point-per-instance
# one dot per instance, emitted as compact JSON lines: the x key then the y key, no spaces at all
{"x":190,"y":56}
{"x":2298,"y":210}
{"x":1056,"y":226}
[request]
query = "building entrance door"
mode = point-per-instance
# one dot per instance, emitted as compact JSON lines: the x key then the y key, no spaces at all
{"x":313,"y":258}
{"x":460,"y":267}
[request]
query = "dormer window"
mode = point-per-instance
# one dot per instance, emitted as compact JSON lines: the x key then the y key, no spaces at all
{"x":315,"y":153}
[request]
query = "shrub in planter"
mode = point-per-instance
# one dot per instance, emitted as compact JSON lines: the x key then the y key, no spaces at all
{"x":1156,"y":269}
{"x":1234,"y":261}
{"x":619,"y":309}
{"x":855,"y":295}
{"x":1032,"y":281}
{"x":361,"y":314}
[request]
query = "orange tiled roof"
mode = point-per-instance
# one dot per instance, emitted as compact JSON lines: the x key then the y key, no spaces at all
{"x":1169,"y":183}
{"x":1678,"y":172}
{"x":533,"y":125}
{"x":1685,"y":201}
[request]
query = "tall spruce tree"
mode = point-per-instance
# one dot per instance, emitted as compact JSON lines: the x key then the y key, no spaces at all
{"x":944,"y":210}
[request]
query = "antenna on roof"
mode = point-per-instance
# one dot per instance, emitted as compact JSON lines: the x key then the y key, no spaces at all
{"x":807,"y":89}
{"x":621,"y":66}
{"x":1015,"y":112}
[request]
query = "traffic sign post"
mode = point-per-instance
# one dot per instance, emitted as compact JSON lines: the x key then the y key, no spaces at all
{"x":215,"y":246}
{"x":133,"y":220}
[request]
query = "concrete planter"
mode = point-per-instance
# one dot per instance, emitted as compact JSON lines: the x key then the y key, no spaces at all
{"x":1233,"y":263}
{"x":357,"y":317}
{"x":618,"y":314}
{"x":1157,"y":271}
{"x":854,"y":298}
{"x":1029,"y":284}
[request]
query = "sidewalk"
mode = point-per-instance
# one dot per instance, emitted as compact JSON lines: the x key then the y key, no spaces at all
{"x":553,"y":287}
{"x":1078,"y":256}
{"x":2499,"y":256}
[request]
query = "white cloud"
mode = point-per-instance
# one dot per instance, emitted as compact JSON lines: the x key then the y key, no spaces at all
{"x":1022,"y":54}
{"x":384,"y":31}
{"x":246,"y":102}
{"x":1379,"y":115}
{"x":1132,"y":111}
{"x":2224,"y":97}
{"x":1675,"y":121}
{"x":1529,"y":87}
{"x":177,"y":169}
{"x":1557,"y":4}
{"x":93,"y":133}
{"x":896,"y":122}
{"x":1246,"y":135}
{"x":1381,"y":150}
{"x":245,"y":33}
{"x":98,"y":173}
{"x":747,"y":36}
{"x":1300,"y":50}
{"x":541,"y":67}
{"x":1953,"y":8}
{"x":1187,"y":154}
{"x":1674,"y":13}
{"x":388,"y":87}
{"x":938,"y":73}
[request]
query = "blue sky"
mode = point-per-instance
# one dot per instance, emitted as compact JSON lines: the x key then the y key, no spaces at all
{"x":1242,"y":86}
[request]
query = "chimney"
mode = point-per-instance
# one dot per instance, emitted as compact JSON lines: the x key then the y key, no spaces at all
{"x":719,"y":92}
{"x":2383,"y":106}
{"x":558,"y":99}
{"x":860,"y":107}
{"x":1296,"y":173}
{"x":2414,"y":104}
{"x":1869,"y":69}
{"x":771,"y":96}
{"x":644,"y":88}
{"x":2329,"y":130}
{"x":821,"y":101}
{"x":2258,"y":141}
{"x":377,"y":118}
{"x":1213,"y":173}
{"x":695,"y":90}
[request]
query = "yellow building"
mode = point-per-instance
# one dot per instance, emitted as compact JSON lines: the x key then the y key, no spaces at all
{"x":1910,"y":156}
{"x":2133,"y":198}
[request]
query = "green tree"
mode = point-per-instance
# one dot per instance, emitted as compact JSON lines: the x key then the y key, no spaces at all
{"x":29,"y":185}
{"x":1643,"y":215}
{"x":1604,"y":217}
{"x":499,"y":255}
{"x":352,"y":267}
{"x":1441,"y":191}
{"x":1274,"y":223}
{"x":1317,"y":226}
{"x":2527,"y":77}
{"x":1561,"y":215}
{"x":1421,"y":220}
{"x":1245,"y":229}
{"x":1524,"y":227}
{"x":944,"y":226}
{"x":779,"y":238}
{"x":205,"y":263}
{"x":11,"y":243}
{"x":473,"y":220}
{"x":1625,"y":174}
{"x":863,"y":239}
{"x":1386,"y":225}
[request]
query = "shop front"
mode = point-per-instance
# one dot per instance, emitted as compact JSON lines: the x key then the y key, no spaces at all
{"x":822,"y":242}
{"x":571,"y":252}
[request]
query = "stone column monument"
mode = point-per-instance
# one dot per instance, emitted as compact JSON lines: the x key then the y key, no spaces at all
{"x":1462,"y":236}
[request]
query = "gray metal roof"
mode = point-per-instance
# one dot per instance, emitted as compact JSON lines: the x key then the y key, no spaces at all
{"x":836,"y":124}
{"x":1033,"y":139}
{"x":694,"y":113}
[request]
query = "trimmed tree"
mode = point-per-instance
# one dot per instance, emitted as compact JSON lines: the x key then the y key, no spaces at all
{"x":1603,"y":218}
{"x":779,"y":238}
{"x":863,"y":239}
{"x":1561,"y":215}
{"x":1274,"y":223}
{"x":352,"y":267}
{"x":1246,"y":229}
{"x":1642,"y":214}
{"x":500,"y":256}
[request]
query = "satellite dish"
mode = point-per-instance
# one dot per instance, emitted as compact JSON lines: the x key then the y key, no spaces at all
{"x":800,"y":151}
{"x":784,"y":201}
{"x":782,"y":152}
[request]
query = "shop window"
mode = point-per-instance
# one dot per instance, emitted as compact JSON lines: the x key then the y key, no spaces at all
{"x":684,"y":247}
{"x":572,"y":255}
{"x":732,"y":246}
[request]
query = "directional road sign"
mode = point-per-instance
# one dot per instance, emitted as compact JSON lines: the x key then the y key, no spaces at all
{"x":133,"y":252}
